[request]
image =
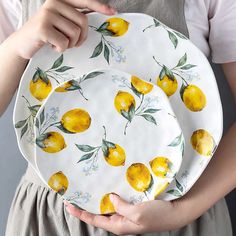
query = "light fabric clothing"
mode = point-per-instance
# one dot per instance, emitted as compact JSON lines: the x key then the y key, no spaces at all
{"x":211,"y":25}
{"x":37,"y":210}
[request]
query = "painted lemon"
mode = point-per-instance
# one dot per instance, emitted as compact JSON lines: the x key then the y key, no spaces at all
{"x":76,"y":120}
{"x":139,"y":177}
{"x":160,"y":166}
{"x":168,"y":85}
{"x":140,"y":85}
{"x":202,"y":142}
{"x":193,"y":98}
{"x":160,"y":188}
{"x":116,"y":156}
{"x":117,"y":26}
{"x":106,"y":206}
{"x":123,"y":101}
{"x":53,"y":142}
{"x":40,"y":89}
{"x":58,"y":182}
{"x":64,"y":87}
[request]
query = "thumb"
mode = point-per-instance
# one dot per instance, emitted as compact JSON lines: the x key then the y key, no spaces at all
{"x":121,"y":206}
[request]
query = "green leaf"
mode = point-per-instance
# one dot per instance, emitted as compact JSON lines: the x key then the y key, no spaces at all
{"x":43,"y":76}
{"x":64,"y":68}
{"x":93,"y":74}
{"x":85,"y":148}
{"x":169,"y":73}
{"x":103,"y":26}
{"x":151,"y":110}
{"x":182,"y":60}
{"x":131,"y":112}
{"x":171,"y":166}
{"x":125,"y":115}
{"x":174,"y":192}
{"x":24,"y":130}
{"x":58,"y":62}
{"x":181,"y":91}
{"x":98,"y":49}
{"x":35,"y":76}
{"x":106,"y":53}
{"x":86,"y":157}
{"x":105,"y":32}
{"x":149,"y":118}
{"x":173,"y":38}
{"x":150,"y":185}
{"x":179,"y":186}
{"x":105,"y":149}
{"x":162,"y":73}
{"x":136,"y":92}
{"x":187,"y":67}
{"x":180,"y":35}
{"x":34,"y":109}
{"x":20,"y":124}
{"x":63,"y":129}
{"x":40,"y":144}
{"x":182,"y":148}
{"x":156,"y":22}
{"x":42,"y":116}
{"x":73,"y":88}
{"x":176,"y":141}
{"x":37,"y":123}
{"x":108,"y":144}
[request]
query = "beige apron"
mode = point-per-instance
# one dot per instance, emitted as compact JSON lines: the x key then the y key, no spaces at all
{"x":37,"y":210}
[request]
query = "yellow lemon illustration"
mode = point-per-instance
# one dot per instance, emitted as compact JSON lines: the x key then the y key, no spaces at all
{"x":160,"y":188}
{"x":141,"y":86}
{"x":116,"y":156}
{"x":202,"y":142}
{"x":123,"y":101}
{"x":58,"y":182}
{"x":54,"y":142}
{"x":168,"y":85}
{"x":106,"y":206}
{"x":40,"y":89}
{"x":76,"y":120}
{"x":160,"y":166}
{"x":193,"y":98}
{"x":64,"y":87}
{"x":117,"y":26}
{"x":139,"y":177}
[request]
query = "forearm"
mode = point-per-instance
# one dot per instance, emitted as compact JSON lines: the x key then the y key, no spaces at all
{"x":11,"y":67}
{"x":218,"y":179}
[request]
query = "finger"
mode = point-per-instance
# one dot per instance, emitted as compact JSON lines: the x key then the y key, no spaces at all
{"x":75,"y":16}
{"x":124,"y":208}
{"x":93,"y":5}
{"x":56,"y":38}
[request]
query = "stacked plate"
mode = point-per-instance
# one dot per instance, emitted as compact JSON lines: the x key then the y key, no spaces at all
{"x":131,"y":111}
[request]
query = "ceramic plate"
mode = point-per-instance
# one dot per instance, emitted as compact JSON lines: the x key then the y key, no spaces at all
{"x":139,"y":45}
{"x":107,"y":131}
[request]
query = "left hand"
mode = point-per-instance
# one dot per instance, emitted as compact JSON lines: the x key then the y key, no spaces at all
{"x":144,"y":217}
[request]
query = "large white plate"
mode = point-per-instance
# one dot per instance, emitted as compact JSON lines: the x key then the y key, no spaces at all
{"x":140,"y":45}
{"x":114,"y":138}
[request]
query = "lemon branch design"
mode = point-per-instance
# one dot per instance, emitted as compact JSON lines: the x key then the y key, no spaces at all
{"x":40,"y":85}
{"x":173,"y":35}
{"x":113,"y":154}
{"x":113,"y":27}
{"x":27,"y":124}
{"x":178,"y":142}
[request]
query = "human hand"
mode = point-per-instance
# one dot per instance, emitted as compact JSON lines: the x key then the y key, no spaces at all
{"x":58,"y":22}
{"x":145,"y":217}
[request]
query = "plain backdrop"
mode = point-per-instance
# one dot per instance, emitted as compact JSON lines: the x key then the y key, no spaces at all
{"x":13,"y":165}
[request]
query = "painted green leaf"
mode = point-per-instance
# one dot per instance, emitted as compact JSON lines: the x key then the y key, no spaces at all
{"x":106,"y":53}
{"x":108,"y":144}
{"x":180,"y":35}
{"x":136,"y":92}
{"x":63,"y":129}
{"x":103,"y":26}
{"x":131,"y":112}
{"x":176,"y":141}
{"x":93,"y":74}
{"x":179,"y":186}
{"x":173,"y":38}
{"x":43,"y":76}
{"x":171,"y":166}
{"x":105,"y":149}
{"x":86,"y":157}
{"x":20,"y":124}
{"x":58,"y":62}
{"x":187,"y":67}
{"x":174,"y":192}
{"x":35,"y":76}
{"x":98,"y":49}
{"x":85,"y":148}
{"x":149,"y":118}
{"x":169,"y":73}
{"x":151,"y":110}
{"x":73,"y":88}
{"x":182,"y":148}
{"x":64,"y":68}
{"x":156,"y":22}
{"x":162,"y":73}
{"x":105,"y":32}
{"x":42,"y":116}
{"x":125,"y":115}
{"x":182,"y":60}
{"x":40,"y":139}
{"x":61,"y":191}
{"x":24,"y":130}
{"x":37,"y":123}
{"x":151,"y":185}
{"x":181,"y":91}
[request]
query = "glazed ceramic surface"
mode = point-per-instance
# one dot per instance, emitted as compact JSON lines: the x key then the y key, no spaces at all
{"x":139,"y":45}
{"x":107,"y":131}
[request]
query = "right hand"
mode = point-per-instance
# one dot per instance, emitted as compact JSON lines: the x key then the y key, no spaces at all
{"x":59,"y":23}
